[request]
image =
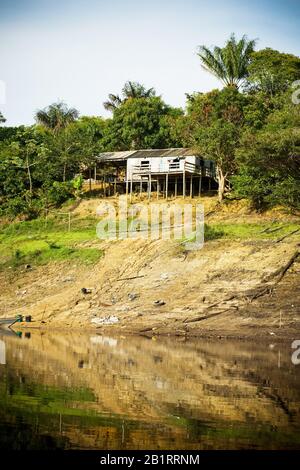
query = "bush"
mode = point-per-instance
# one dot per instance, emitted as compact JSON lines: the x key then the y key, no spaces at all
{"x":58,"y":193}
{"x":267,"y":190}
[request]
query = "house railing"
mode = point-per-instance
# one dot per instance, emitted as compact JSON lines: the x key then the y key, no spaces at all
{"x":171,"y":167}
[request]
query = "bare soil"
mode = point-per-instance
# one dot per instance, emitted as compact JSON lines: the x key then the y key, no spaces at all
{"x":228,"y":288}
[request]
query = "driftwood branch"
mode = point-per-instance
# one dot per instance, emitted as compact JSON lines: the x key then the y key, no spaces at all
{"x":129,"y":278}
{"x":287,"y":235}
{"x":280,"y":273}
{"x":271,"y":230}
{"x":206,"y":317}
{"x":227,"y":299}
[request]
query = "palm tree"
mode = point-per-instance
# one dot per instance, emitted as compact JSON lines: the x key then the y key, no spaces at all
{"x":130,"y":90}
{"x":112,"y":103}
{"x":229,"y":63}
{"x":136,"y":90}
{"x":2,"y":118}
{"x":56,"y":117}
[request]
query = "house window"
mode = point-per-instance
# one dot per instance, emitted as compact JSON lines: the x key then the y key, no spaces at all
{"x":174,"y":164}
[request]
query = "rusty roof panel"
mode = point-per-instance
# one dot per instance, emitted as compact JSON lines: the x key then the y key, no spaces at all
{"x":146,"y":153}
{"x":173,"y":152}
{"x":115,"y":156}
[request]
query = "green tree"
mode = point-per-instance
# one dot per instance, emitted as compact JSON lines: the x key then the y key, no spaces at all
{"x":269,"y":160}
{"x":87,"y":135}
{"x":18,"y":159}
{"x":229,"y":63}
{"x":56,"y":117}
{"x":129,"y":91}
{"x":215,"y":121}
{"x":139,"y":123}
{"x":218,"y":142}
{"x":2,"y":118}
{"x":271,"y":71}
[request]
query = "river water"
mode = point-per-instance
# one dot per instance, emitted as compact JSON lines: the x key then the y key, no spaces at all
{"x":87,"y":391}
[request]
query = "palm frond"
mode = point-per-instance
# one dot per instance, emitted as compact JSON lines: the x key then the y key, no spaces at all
{"x":57,"y":116}
{"x":112,"y":103}
{"x":230,"y":63}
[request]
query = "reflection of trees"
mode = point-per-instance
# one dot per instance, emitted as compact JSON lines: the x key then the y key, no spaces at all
{"x":171,"y":387}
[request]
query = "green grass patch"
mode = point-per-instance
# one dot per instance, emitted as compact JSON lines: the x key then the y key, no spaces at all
{"x":39,"y":242}
{"x":251,"y":231}
{"x":244,"y":231}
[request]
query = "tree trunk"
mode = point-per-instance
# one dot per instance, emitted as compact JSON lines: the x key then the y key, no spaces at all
{"x":90,"y":179}
{"x":64,"y":172}
{"x":29,"y":175}
{"x":221,"y":182}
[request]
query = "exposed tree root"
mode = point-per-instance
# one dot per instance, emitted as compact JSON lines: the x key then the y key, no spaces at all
{"x":287,"y":235}
{"x":206,"y":317}
{"x":280,"y":273}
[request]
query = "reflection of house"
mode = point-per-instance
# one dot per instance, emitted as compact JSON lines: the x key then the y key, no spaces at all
{"x":167,"y":171}
{"x":2,"y":353}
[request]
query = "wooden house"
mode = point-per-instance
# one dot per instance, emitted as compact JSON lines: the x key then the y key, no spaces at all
{"x":166,"y":171}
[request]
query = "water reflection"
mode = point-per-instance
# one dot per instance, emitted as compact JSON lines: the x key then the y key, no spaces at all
{"x":2,"y":352}
{"x":90,"y":391}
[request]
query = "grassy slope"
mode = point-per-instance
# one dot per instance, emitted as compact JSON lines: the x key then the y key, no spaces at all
{"x":43,"y":241}
{"x":40,"y":243}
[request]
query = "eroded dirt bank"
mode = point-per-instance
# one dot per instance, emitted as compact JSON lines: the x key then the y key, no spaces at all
{"x":228,"y":288}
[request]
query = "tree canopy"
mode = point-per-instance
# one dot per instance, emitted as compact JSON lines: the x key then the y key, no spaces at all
{"x":56,"y":117}
{"x":271,"y":71}
{"x":249,"y":128}
{"x":130,"y":90}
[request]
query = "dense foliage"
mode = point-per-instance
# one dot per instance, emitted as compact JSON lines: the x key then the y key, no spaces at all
{"x":250,"y":128}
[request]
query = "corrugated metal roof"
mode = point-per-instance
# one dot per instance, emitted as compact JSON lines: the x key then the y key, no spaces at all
{"x":115,"y":156}
{"x":173,"y":152}
{"x":146,"y":153}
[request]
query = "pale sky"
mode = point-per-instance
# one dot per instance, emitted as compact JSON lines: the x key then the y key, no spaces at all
{"x":78,"y":51}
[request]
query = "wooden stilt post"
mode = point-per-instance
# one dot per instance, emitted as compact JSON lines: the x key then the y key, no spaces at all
{"x":191,"y":186}
{"x":90,"y":179}
{"x":141,"y":187}
{"x":115,"y":186}
{"x":176,"y":186}
{"x":95,"y":173}
{"x":157,"y":188}
{"x":104,"y":186}
{"x":149,"y":188}
{"x":209,"y":183}
{"x":131,"y":188}
{"x":200,"y":184}
{"x":167,"y":184}
{"x":183,"y":184}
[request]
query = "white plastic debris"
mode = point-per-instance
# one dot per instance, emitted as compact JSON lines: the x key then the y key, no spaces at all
{"x":111,"y":320}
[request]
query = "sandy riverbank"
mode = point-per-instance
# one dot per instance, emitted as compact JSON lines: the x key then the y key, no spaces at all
{"x":235,"y":288}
